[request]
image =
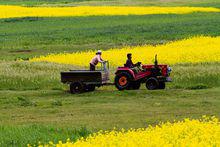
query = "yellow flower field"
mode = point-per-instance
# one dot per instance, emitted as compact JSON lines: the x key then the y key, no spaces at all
{"x":192,"y":50}
{"x":201,"y":133}
{"x":7,"y":11}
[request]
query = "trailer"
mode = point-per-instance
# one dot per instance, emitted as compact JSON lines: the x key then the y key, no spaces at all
{"x":86,"y":80}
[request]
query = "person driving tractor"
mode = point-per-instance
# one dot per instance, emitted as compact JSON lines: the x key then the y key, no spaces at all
{"x":135,"y":67}
{"x":129,"y":62}
{"x":95,"y":60}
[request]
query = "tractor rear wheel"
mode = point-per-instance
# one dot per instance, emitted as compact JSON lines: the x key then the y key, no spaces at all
{"x":123,"y":81}
{"x":162,"y":85}
{"x":76,"y":87}
{"x":152,"y":84}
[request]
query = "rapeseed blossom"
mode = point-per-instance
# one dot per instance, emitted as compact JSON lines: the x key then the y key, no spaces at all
{"x":192,"y":50}
{"x":204,"y":132}
{"x":7,"y":11}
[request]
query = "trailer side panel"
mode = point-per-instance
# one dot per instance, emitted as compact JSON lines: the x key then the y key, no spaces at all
{"x":92,"y":77}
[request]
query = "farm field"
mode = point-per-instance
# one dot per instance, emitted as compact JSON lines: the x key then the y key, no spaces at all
{"x":204,"y":3}
{"x":29,"y":37}
{"x":47,"y":115}
{"x":35,"y":106}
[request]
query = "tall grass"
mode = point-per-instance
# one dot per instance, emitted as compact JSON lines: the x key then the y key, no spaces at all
{"x":30,"y":76}
{"x":33,"y":76}
{"x":196,"y":76}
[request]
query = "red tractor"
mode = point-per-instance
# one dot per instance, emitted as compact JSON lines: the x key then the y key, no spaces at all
{"x":154,"y":76}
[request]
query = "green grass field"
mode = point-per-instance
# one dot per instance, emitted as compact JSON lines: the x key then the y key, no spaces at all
{"x":36,"y":106}
{"x":27,"y":37}
{"x":56,"y":113}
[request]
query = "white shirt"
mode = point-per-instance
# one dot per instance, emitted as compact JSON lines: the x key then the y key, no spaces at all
{"x":96,"y":60}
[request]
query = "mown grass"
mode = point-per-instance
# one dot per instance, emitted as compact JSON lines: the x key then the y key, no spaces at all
{"x":35,"y":134}
{"x":28,"y":37}
{"x":104,"y":109}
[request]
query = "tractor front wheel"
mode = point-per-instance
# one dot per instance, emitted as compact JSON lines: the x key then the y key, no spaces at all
{"x":76,"y":88}
{"x":152,"y":84}
{"x":123,"y":81}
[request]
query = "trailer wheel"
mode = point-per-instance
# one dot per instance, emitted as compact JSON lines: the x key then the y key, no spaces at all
{"x":152,"y":84}
{"x":123,"y":81}
{"x":90,"y":87}
{"x":76,"y":87}
{"x":162,"y":85}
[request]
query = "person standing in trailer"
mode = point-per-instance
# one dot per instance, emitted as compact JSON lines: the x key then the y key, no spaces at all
{"x":95,"y":60}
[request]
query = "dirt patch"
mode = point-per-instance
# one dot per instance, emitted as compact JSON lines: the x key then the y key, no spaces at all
{"x":14,"y":20}
{"x":177,"y":1}
{"x":21,"y":51}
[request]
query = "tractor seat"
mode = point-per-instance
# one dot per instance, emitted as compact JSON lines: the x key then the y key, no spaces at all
{"x":125,"y":65}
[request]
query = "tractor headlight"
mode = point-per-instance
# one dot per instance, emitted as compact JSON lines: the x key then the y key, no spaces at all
{"x":169,"y":70}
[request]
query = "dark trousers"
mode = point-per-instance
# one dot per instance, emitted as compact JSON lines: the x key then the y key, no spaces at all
{"x":92,"y":67}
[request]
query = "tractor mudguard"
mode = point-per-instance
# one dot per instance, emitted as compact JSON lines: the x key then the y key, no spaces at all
{"x":128,"y":70}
